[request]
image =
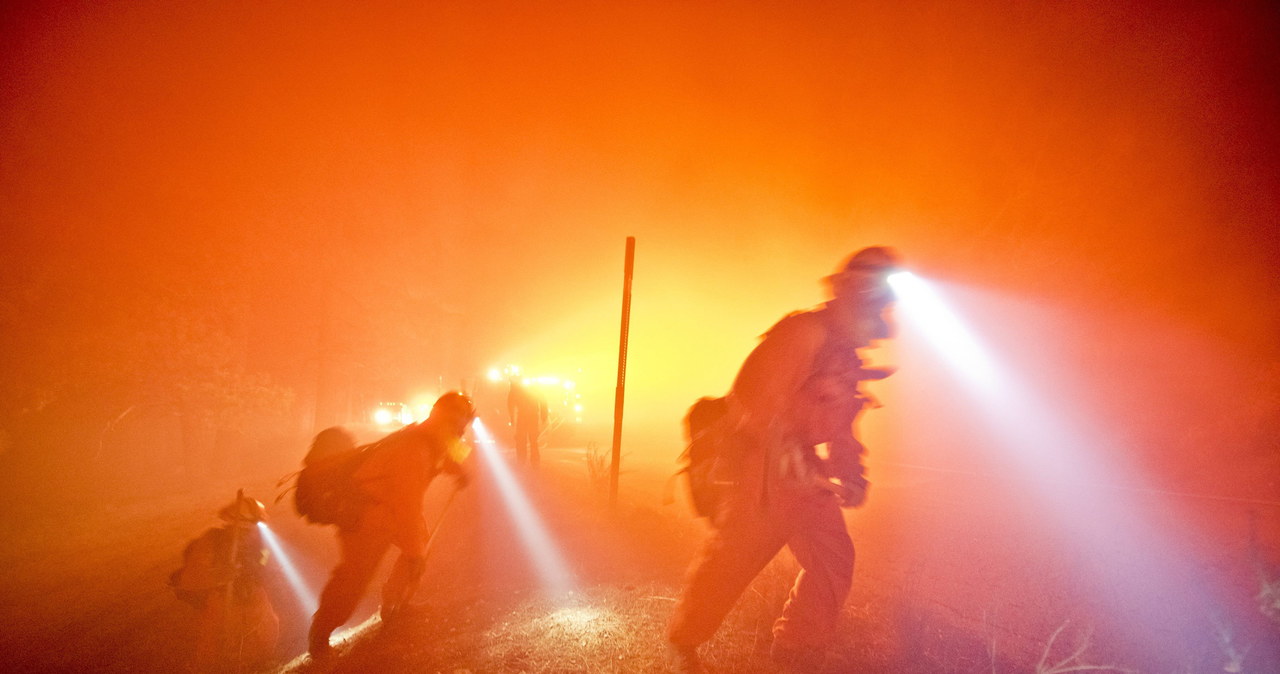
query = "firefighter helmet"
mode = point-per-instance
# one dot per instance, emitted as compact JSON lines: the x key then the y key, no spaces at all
{"x":244,"y":510}
{"x":874,"y":259}
{"x":455,"y":406}
{"x":865,"y":271}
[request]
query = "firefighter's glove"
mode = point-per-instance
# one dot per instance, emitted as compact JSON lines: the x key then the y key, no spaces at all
{"x":457,"y":450}
{"x":854,"y":494}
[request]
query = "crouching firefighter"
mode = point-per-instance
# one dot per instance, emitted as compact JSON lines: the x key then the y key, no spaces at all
{"x":222,"y":576}
{"x":798,"y":390}
{"x":392,"y":479}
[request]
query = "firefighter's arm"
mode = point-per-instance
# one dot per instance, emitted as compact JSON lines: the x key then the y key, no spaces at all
{"x":774,"y":372}
{"x":845,"y":463}
{"x":461,"y":476}
{"x":456,"y":453}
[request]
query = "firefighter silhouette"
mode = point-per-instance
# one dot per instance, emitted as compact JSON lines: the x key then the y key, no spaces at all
{"x":222,"y":577}
{"x":528,"y":411}
{"x":392,"y":479}
{"x":797,"y":390}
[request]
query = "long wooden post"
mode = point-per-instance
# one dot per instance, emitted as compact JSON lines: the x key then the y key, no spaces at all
{"x":616,"y":456}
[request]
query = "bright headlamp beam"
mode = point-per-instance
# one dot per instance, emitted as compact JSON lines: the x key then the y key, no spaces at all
{"x":918,"y":303}
{"x":546,"y":558}
{"x":1069,"y":466}
{"x":306,"y":598}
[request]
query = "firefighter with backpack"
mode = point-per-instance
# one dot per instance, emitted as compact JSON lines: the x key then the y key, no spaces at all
{"x":756,"y":472}
{"x":222,"y":576}
{"x":388,"y":481}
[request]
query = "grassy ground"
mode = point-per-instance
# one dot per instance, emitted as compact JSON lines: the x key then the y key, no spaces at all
{"x":947,"y":580}
{"x":629,"y":566}
{"x":901,"y":617}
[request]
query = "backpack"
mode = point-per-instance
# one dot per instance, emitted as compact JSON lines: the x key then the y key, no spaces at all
{"x":206,"y":566}
{"x":707,"y":432}
{"x":325,"y":491}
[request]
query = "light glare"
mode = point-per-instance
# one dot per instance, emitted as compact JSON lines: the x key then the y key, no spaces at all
{"x":546,"y":557}
{"x":306,"y":597}
{"x":1075,"y":473}
{"x":918,"y":303}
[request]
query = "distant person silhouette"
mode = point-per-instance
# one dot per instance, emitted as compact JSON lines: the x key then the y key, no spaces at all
{"x":798,"y":389}
{"x":528,"y":411}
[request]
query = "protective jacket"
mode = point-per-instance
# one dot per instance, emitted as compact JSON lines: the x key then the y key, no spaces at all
{"x":395,"y":476}
{"x":798,"y":389}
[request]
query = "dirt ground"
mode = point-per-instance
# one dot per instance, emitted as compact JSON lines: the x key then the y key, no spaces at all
{"x":953,"y":575}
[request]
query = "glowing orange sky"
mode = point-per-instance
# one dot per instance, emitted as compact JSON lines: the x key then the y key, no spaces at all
{"x":1112,"y":163}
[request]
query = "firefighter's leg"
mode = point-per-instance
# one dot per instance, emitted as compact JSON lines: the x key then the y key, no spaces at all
{"x":520,"y":443}
{"x":722,"y":569}
{"x":822,"y":547}
{"x":533,"y":446}
{"x":209,"y":631}
{"x":260,"y":628}
{"x":402,"y":584}
{"x":361,"y":551}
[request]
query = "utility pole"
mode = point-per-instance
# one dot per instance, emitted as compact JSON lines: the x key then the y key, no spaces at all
{"x":628,"y":268}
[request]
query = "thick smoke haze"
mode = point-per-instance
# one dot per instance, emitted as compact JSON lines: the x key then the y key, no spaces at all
{"x":227,"y":224}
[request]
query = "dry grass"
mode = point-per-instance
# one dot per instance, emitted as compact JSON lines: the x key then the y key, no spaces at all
{"x":615,"y":622}
{"x":1073,"y":661}
{"x":619,"y":629}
